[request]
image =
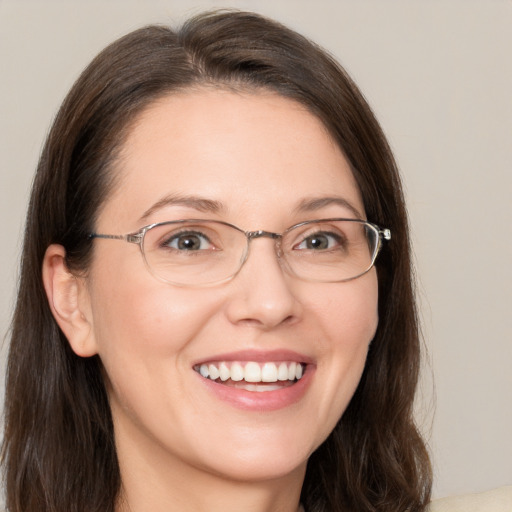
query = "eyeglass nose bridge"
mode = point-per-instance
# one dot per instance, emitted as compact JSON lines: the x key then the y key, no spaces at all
{"x":251,"y":235}
{"x":261,"y":233}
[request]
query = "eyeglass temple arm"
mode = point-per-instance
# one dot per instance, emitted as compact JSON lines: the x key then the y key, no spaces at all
{"x":132,"y":238}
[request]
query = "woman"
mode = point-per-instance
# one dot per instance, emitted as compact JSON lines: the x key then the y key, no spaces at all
{"x":252,"y":353}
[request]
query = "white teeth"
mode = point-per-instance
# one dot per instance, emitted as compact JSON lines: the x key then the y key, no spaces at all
{"x":259,"y":388}
{"x":237,"y":372}
{"x":291,"y":371}
{"x":224,"y":372}
{"x":269,"y":373}
{"x":213,"y":371}
{"x":282,"y":373}
{"x":252,"y":372}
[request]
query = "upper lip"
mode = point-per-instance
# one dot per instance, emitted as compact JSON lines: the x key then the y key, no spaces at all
{"x":258,"y":356}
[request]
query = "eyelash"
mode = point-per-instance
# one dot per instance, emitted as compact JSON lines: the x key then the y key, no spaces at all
{"x":167,"y":240}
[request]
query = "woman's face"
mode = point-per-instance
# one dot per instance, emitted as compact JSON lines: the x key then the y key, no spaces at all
{"x":258,"y":161}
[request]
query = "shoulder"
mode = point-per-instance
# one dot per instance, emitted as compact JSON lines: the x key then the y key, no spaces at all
{"x":497,"y":500}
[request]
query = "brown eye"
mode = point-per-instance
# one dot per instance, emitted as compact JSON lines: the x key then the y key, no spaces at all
{"x":188,"y":241}
{"x":320,"y":241}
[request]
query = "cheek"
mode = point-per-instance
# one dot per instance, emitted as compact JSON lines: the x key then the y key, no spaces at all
{"x":144,"y":336}
{"x":139,"y":320}
{"x":348,"y":317}
{"x":349,"y":313}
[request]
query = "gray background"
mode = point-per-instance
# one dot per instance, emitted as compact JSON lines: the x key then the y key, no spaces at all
{"x":439,"y":77}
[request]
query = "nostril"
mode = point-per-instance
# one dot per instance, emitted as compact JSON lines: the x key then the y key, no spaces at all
{"x":265,"y":322}
{"x":289,"y":319}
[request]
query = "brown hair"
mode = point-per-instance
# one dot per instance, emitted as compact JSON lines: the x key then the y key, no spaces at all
{"x":58,"y":449}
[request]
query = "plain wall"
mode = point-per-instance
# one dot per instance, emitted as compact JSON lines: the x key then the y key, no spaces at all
{"x":439,"y":77}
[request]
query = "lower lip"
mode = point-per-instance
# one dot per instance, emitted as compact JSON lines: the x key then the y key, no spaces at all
{"x":261,"y":401}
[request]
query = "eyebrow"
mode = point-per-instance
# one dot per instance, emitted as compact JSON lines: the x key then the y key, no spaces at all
{"x":315,"y":204}
{"x":205,"y":205}
{"x":198,"y":203}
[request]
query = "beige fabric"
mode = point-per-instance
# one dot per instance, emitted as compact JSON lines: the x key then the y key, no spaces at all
{"x":497,"y":500}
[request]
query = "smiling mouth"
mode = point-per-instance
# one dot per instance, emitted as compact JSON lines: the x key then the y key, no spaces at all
{"x":251,"y":375}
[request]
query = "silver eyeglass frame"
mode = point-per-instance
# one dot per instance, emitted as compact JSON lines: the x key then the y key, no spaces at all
{"x":137,"y":237}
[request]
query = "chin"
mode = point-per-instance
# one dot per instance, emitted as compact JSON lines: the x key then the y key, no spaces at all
{"x":261,"y":469}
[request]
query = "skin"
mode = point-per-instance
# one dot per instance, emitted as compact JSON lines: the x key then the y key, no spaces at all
{"x":179,"y":446}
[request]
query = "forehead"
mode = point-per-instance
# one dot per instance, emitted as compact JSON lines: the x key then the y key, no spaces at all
{"x":250,"y":150}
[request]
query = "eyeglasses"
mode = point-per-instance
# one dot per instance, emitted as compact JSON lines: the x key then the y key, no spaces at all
{"x":195,"y":252}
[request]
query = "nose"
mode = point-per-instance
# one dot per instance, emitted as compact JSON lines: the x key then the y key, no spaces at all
{"x":262,"y":294}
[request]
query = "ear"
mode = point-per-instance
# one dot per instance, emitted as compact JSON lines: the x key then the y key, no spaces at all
{"x":69,"y":301}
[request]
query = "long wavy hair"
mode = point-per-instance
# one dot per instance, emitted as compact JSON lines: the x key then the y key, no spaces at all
{"x":58,"y":450}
